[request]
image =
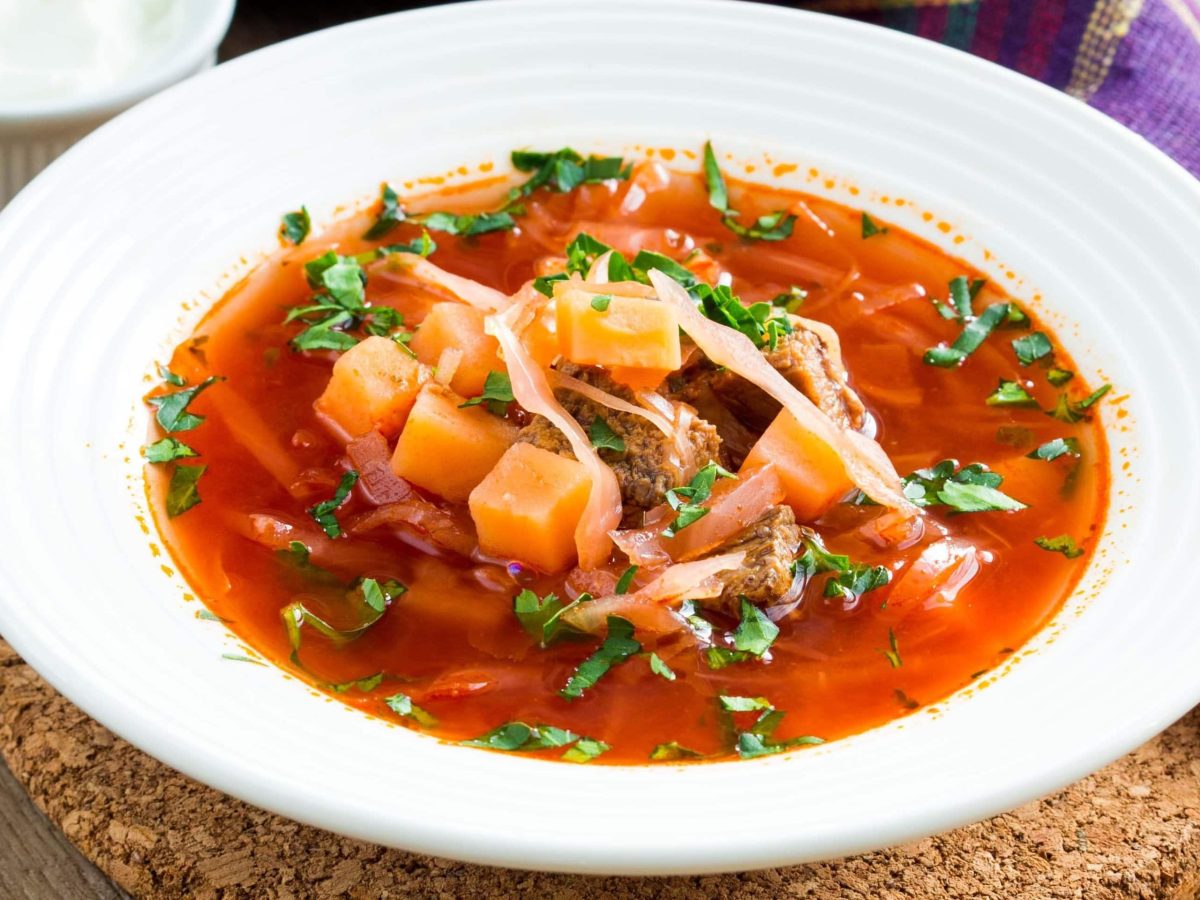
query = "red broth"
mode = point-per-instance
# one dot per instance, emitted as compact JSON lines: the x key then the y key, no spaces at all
{"x":452,"y":643}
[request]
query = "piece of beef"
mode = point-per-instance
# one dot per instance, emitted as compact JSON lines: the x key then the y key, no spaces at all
{"x":765,"y":575}
{"x":810,"y":358}
{"x":648,"y":466}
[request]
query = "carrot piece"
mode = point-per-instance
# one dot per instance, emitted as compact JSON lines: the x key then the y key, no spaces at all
{"x":813,"y":475}
{"x":628,"y":332}
{"x":459,"y":326}
{"x":446,"y":449}
{"x":374,"y":385}
{"x":528,"y":506}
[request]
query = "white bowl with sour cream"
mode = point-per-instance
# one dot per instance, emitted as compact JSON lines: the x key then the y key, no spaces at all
{"x":66,"y":66}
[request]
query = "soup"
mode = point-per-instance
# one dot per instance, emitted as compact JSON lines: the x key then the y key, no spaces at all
{"x":610,"y":462}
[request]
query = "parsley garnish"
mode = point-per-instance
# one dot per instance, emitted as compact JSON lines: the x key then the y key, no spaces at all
{"x":171,"y":409}
{"x":756,"y":740}
{"x":893,"y":651}
{"x":389,"y":217}
{"x":618,"y":646}
{"x":1010,"y":393}
{"x":378,"y":596}
{"x":497,"y":394}
{"x":295,"y":226}
{"x":1064,"y":544}
{"x":969,"y":340}
{"x":468,"y":225}
{"x":850,"y":579}
{"x":170,"y":377}
{"x":541,"y":617}
{"x":322,"y":512}
{"x":339,"y":306}
{"x":720,"y":657}
{"x":423,"y":246}
{"x":544,"y":284}
{"x":603,"y":437}
{"x":658,"y":667}
{"x":1070,"y":411}
{"x":1058,"y":377}
{"x":772,"y":227}
{"x":673,"y":750}
{"x":182,"y":492}
{"x":1052,"y":450}
{"x":870,"y":229}
{"x":962,"y":295}
{"x":625,"y":580}
{"x":564,"y":170}
{"x":759,"y":321}
{"x":517,"y":737}
{"x":791,"y":299}
{"x":365,"y":684}
{"x":166,"y":450}
{"x":601,"y":302}
{"x":972,"y":488}
{"x":755,"y":633}
{"x":402,"y":705}
{"x":1031,"y":347}
{"x":686,"y":500}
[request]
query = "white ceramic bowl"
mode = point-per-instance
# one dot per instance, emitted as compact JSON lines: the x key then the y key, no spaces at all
{"x":34,"y":132}
{"x":184,"y":193}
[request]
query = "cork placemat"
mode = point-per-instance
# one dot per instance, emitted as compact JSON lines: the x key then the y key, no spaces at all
{"x":1132,"y":830}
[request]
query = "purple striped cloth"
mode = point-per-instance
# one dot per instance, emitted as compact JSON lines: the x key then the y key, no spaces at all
{"x":1136,"y":60}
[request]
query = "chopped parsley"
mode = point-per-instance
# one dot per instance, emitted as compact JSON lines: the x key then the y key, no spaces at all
{"x":790,"y":300}
{"x":1010,"y":393}
{"x":1052,"y":450}
{"x":497,"y":394}
{"x":1064,"y":544}
{"x":870,"y":229}
{"x":389,"y":216}
{"x":892,"y":653}
{"x":167,"y":450}
{"x":422,"y":246}
{"x":720,"y":657}
{"x":774,"y":226}
{"x":756,"y":740}
{"x":322,"y":512}
{"x":658,"y":667}
{"x":1072,"y":411}
{"x":755,"y":633}
{"x":365,"y":684}
{"x":762,"y":323}
{"x":403,"y":706}
{"x":564,"y":170}
{"x":673,"y":750}
{"x":1058,"y":377}
{"x":517,"y":737}
{"x":171,"y":410}
{"x":170,"y":377}
{"x":972,"y":488}
{"x":295,"y":226}
{"x":618,"y":646}
{"x":377,"y":596}
{"x":962,"y":295}
{"x":541,"y":617}
{"x":849,"y":581}
{"x":1031,"y":347}
{"x":969,"y":340}
{"x":468,"y":225}
{"x":183,"y":491}
{"x":686,"y":500}
{"x":544,"y":284}
{"x":625,"y":580}
{"x":338,"y":306}
{"x":600,"y":302}
{"x":603,"y":437}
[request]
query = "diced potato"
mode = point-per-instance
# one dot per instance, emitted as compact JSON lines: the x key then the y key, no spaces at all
{"x":374,"y":385}
{"x":446,"y":449}
{"x":461,"y":327}
{"x":528,"y":506}
{"x":632,"y":332}
{"x":813,"y":475}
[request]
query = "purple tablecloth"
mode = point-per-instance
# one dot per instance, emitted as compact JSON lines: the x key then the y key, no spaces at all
{"x":1136,"y":60}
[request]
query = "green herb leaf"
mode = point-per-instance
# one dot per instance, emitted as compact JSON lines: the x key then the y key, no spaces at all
{"x":241,"y":657}
{"x":618,"y":646}
{"x":389,"y":217}
{"x":585,"y":750}
{"x":601,"y":302}
{"x":718,"y":195}
{"x":970,"y":489}
{"x":182,"y":491}
{"x":976,"y":498}
{"x":1058,"y":377}
{"x":365,"y":684}
{"x":468,"y":225}
{"x":519,"y":737}
{"x":751,"y":745}
{"x":402,"y":705}
{"x":497,"y":394}
{"x":686,"y":500}
{"x":625,"y":580}
{"x":1031,"y":347}
{"x":720,"y":657}
{"x":541,"y":617}
{"x":893,"y":651}
{"x":1052,"y":450}
{"x":1064,"y":544}
{"x":544,"y":284}
{"x":856,"y":581}
{"x":1010,"y":393}
{"x":790,"y":300}
{"x":377,"y":596}
{"x":1070,"y":411}
{"x":755,"y":633}
{"x":870,"y":229}
{"x":743,"y":704}
{"x":296,"y":225}
{"x":648,"y":259}
{"x":564,"y":170}
{"x":658,"y":667}
{"x":166,"y":450}
{"x":322,"y":512}
{"x":673,"y":750}
{"x":774,"y":226}
{"x":171,"y":410}
{"x":970,"y":340}
{"x":603,"y":437}
{"x":423,"y":246}
{"x":170,"y":377}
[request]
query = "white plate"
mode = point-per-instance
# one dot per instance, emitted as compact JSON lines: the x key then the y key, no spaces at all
{"x":98,"y":254}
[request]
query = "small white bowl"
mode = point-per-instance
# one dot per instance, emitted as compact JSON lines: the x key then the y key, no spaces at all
{"x":34,"y":132}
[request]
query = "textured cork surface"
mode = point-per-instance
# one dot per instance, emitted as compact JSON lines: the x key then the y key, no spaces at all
{"x":1132,"y":830}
